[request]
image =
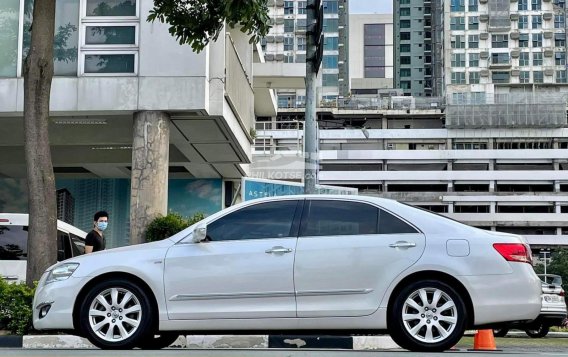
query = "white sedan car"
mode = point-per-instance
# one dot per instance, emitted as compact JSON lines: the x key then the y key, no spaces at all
{"x":295,"y":264}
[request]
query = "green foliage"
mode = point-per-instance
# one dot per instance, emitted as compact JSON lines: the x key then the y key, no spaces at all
{"x":166,"y":226}
{"x":197,"y":22}
{"x":16,"y":307}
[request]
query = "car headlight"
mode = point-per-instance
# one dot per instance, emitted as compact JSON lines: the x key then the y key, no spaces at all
{"x":61,"y":272}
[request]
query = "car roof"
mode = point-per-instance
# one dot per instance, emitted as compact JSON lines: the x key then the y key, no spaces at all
{"x":22,"y":219}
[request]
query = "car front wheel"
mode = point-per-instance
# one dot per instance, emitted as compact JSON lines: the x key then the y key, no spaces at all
{"x":116,"y":314}
{"x":427,"y":316}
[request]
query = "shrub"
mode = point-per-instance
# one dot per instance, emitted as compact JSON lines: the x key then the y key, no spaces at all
{"x":16,"y":307}
{"x":166,"y":226}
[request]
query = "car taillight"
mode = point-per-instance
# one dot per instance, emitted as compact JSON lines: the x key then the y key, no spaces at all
{"x":562,"y":293}
{"x":514,"y":252}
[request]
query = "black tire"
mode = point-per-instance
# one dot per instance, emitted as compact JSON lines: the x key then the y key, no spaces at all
{"x":158,"y":342}
{"x":538,"y":331}
{"x":500,"y":332}
{"x":400,"y":330}
{"x":143,"y":317}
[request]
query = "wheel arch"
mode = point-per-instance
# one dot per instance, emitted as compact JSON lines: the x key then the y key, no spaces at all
{"x":103,"y":277}
{"x":442,"y":277}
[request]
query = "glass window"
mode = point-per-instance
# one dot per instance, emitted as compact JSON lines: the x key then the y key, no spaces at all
{"x":457,"y":23}
{"x":333,"y":218}
{"x":330,"y":80}
{"x":66,"y":40}
{"x":560,"y":58}
{"x":525,"y":76}
{"x":404,"y":11}
{"x":405,"y":85}
{"x":63,"y":246}
{"x":559,"y":21}
{"x":330,"y":7}
{"x":536,"y":21}
{"x":536,"y":5}
{"x":288,"y":25}
{"x":458,"y":41}
{"x":473,"y":23}
{"x":302,"y":7}
{"x":111,"y":7}
{"x":288,"y":7}
{"x":405,"y":60}
{"x":472,"y":5}
{"x":374,"y":34}
{"x":110,"y":35}
{"x":78,"y":245}
{"x":523,"y":5}
{"x":538,"y":76}
{"x":523,"y":22}
{"x":330,"y":61}
{"x":524,"y":40}
{"x":458,"y":60}
{"x":109,"y":63}
{"x":474,"y":59}
{"x":330,"y":25}
{"x":260,"y":221}
{"x":301,"y":25}
{"x":390,"y":224}
{"x":524,"y":59}
{"x":537,"y":59}
{"x":301,"y":44}
{"x":300,"y":58}
{"x":473,"y":41}
{"x":499,"y":41}
{"x":405,"y":36}
{"x":474,"y":78}
{"x":561,"y":77}
{"x":404,"y":48}
{"x":405,"y":72}
{"x":404,"y":24}
{"x":500,"y":77}
{"x":537,"y":40}
{"x":331,"y":43}
{"x":559,"y":39}
{"x":458,"y":78}
{"x":500,"y":58}
{"x":13,"y":242}
{"x":288,"y":43}
{"x":457,"y":5}
{"x":10,"y":22}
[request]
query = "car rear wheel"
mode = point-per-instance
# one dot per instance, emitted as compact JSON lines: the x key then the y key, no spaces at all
{"x":116,"y":314}
{"x":500,"y":332}
{"x":427,"y":316}
{"x":538,"y":331}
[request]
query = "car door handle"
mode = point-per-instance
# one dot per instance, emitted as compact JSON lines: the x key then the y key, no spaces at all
{"x":402,"y":244}
{"x":278,"y":250}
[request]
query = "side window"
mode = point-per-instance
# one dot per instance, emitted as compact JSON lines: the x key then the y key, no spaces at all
{"x":77,"y":245}
{"x":13,"y":242}
{"x":334,"y":218}
{"x":63,"y":246}
{"x":263,"y":220}
{"x":389,"y":224}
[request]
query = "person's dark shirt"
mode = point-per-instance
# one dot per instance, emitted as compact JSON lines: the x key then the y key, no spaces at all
{"x":95,"y":240}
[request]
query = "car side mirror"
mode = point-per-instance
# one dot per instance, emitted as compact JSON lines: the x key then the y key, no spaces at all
{"x":199,"y":234}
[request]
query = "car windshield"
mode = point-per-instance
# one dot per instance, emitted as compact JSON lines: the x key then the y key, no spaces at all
{"x":551,"y":279}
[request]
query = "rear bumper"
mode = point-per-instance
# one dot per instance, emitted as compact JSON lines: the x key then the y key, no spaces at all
{"x":505,"y":297}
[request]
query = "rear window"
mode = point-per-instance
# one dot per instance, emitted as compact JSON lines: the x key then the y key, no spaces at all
{"x":13,"y":242}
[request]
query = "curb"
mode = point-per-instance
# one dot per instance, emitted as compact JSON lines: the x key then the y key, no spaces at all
{"x":218,"y":342}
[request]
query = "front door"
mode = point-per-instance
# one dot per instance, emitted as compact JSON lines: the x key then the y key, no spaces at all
{"x":243,"y":270}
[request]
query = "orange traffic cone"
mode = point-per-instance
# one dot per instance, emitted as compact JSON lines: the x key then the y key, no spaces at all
{"x":484,"y":341}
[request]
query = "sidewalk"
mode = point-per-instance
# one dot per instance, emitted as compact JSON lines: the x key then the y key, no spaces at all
{"x":217,"y":341}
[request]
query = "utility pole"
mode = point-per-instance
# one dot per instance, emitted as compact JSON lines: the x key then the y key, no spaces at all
{"x":314,"y":54}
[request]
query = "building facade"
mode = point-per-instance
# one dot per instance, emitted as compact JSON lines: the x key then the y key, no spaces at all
{"x":370,"y":53}
{"x":286,"y":43}
{"x":419,"y":47}
{"x":501,"y":47}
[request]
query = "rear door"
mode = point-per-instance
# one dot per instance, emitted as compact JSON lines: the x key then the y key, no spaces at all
{"x":347,"y":255}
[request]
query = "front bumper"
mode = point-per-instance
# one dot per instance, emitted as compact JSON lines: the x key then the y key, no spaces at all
{"x":60,"y":297}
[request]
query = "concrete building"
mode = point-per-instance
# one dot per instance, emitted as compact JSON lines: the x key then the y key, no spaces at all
{"x":128,"y":101}
{"x":502,"y":47}
{"x":371,"y":53}
{"x":419,"y":47}
{"x":65,"y":206}
{"x":286,"y":43}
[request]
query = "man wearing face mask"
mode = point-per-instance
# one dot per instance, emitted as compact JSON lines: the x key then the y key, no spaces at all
{"x":95,"y":240}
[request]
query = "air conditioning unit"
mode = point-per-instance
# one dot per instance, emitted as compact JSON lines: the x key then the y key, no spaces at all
{"x":390,"y":146}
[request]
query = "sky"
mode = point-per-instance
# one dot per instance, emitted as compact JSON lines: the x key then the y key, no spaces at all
{"x":370,"y":6}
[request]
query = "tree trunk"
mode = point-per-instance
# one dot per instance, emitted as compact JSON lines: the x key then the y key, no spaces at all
{"x":38,"y":72}
{"x":150,"y":161}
